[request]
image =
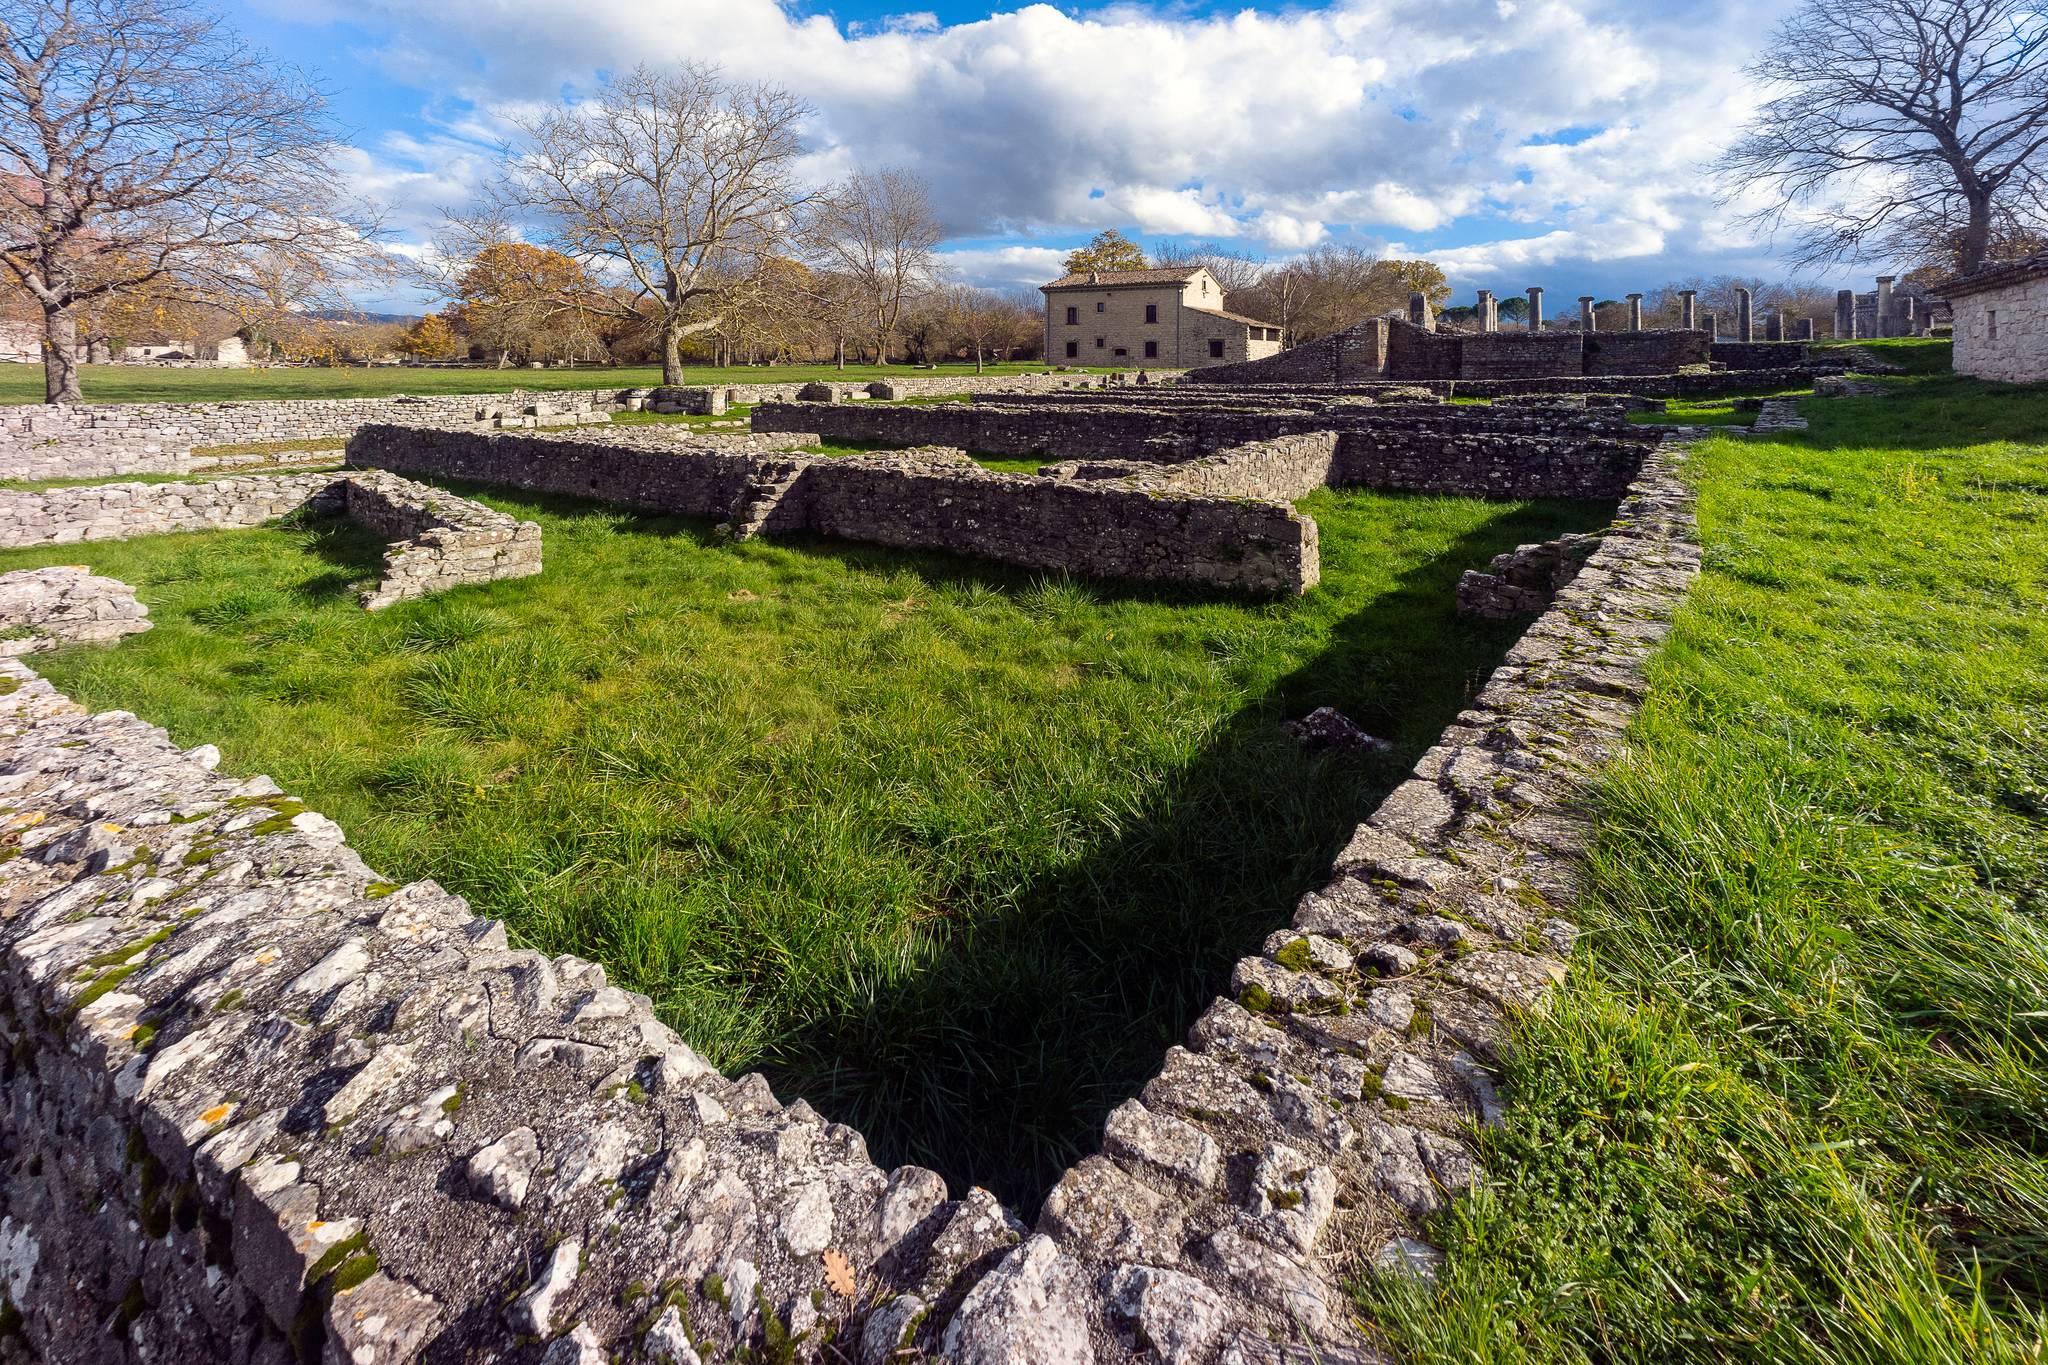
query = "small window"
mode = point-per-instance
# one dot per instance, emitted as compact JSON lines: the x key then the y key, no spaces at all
{"x":1073,"y":317}
{"x":1098,"y":343}
{"x":1151,"y":312}
{"x":1216,"y":348}
{"x":1098,"y":305}
{"x":1073,"y":349}
{"x":1121,"y":351}
{"x":1992,"y":318}
{"x":1151,"y":350}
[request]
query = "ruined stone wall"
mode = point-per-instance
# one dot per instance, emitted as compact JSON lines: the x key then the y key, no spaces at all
{"x":1761,"y":355}
{"x":1437,"y":448}
{"x":1518,"y":355}
{"x":118,"y":511}
{"x":439,"y":540}
{"x":1664,"y":351}
{"x":93,"y":440}
{"x":1280,"y":470}
{"x":906,"y":501}
{"x":261,"y":1104}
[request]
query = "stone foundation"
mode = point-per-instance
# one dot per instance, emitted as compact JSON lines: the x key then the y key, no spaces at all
{"x":1523,"y":581}
{"x":438,"y":539}
{"x":912,"y":500}
{"x":262,"y":1104}
{"x":43,"y":608}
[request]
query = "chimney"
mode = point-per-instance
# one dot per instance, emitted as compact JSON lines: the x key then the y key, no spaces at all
{"x":1094,"y":278}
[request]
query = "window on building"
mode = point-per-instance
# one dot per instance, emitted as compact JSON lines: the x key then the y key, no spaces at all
{"x":1099,"y":305}
{"x":1216,"y":348}
{"x":1073,"y":316}
{"x":1151,"y":350}
{"x":1151,"y":312}
{"x":1121,"y":351}
{"x":1098,"y":343}
{"x":1991,"y":317}
{"x":1073,"y":349}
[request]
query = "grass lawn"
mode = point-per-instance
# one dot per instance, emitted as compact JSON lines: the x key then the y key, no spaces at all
{"x":21,"y":383}
{"x":953,"y":852}
{"x":1792,"y":1102}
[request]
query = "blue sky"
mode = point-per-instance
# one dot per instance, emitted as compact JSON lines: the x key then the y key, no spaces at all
{"x":1517,"y":142}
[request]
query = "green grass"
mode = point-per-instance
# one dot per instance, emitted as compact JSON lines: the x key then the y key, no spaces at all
{"x":20,"y":383}
{"x":1792,"y":1103}
{"x":1699,"y":412}
{"x":45,"y":485}
{"x":954,"y":852}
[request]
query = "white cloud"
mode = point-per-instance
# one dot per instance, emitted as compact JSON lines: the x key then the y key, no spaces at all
{"x":1276,"y":129}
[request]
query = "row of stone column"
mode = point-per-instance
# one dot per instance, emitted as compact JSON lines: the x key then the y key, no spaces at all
{"x":1777,"y":326}
{"x":1894,"y":316}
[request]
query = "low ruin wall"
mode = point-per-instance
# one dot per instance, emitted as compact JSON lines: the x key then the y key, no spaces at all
{"x":955,"y":505}
{"x":260,"y":1104}
{"x":93,"y":440}
{"x":1510,"y":453}
{"x":118,"y":511}
{"x":1390,"y":349}
{"x":1280,"y":470}
{"x":437,"y":540}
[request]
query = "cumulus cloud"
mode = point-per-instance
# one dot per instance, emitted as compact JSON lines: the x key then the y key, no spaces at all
{"x":1437,"y":121}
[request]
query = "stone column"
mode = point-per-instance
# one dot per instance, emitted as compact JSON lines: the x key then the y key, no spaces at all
{"x":1845,"y":314}
{"x":1635,"y":312}
{"x":1804,"y":331}
{"x":1884,"y":326}
{"x":1909,"y":316}
{"x":1745,"y":321}
{"x":1535,"y":307}
{"x":1774,"y":326}
{"x":1419,"y":314}
{"x":1710,"y":323}
{"x":1689,"y":309}
{"x":1587,"y":322}
{"x":1489,"y":315}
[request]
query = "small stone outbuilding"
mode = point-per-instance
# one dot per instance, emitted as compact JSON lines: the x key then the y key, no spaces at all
{"x":2001,"y":321}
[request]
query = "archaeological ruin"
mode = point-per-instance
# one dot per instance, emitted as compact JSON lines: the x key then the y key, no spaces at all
{"x":266,"y":1104}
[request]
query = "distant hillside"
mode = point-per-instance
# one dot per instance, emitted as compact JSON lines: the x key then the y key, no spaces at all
{"x":345,"y":315}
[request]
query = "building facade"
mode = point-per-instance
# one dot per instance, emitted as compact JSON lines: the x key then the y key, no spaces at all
{"x":2001,"y":321}
{"x":1171,"y":318}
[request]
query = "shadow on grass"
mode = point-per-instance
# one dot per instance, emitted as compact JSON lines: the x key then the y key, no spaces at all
{"x":1031,"y":1011}
{"x":998,"y":1062}
{"x":356,"y":552}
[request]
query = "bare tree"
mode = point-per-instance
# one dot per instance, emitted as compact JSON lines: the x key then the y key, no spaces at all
{"x":1235,"y":271}
{"x":979,"y":320}
{"x":670,"y":184}
{"x":880,"y":230}
{"x":1896,"y":122}
{"x":143,"y":145}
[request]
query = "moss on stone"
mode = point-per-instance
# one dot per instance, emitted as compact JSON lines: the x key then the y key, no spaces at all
{"x":1294,"y":955}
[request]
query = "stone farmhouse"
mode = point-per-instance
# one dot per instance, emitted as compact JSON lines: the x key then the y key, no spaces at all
{"x":1172,"y":318}
{"x":2001,"y":321}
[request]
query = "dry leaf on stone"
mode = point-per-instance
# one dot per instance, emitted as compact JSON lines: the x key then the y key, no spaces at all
{"x":838,"y":1273}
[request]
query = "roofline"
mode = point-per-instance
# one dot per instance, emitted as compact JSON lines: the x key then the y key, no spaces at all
{"x":2012,"y":272}
{"x":1239,"y":318}
{"x":1131,"y":284}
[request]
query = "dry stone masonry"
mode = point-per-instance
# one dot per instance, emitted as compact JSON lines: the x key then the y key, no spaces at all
{"x":43,"y":608}
{"x":438,"y":540}
{"x":933,"y":499}
{"x":261,"y":1104}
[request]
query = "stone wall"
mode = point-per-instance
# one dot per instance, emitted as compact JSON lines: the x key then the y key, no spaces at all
{"x":1509,"y":452}
{"x":260,"y":1103}
{"x":917,"y":503}
{"x":93,"y":440}
{"x":437,"y":540}
{"x":1280,"y":470}
{"x":1384,"y":348}
{"x":70,"y":604}
{"x":117,"y":511}
{"x":2016,"y":349}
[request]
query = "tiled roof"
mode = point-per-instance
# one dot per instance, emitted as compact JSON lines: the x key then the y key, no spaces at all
{"x":1096,"y":279}
{"x":1993,"y":277}
{"x":1234,"y":317}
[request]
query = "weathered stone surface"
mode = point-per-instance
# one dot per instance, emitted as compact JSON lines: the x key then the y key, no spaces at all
{"x":42,"y":608}
{"x":1024,"y":1309}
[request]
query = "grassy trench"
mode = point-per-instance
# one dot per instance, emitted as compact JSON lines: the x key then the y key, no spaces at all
{"x":953,"y":852}
{"x":1792,"y":1104}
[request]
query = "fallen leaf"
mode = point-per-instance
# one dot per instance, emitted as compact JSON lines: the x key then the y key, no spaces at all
{"x":839,"y":1273}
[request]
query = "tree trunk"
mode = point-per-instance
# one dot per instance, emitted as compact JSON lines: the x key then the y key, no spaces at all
{"x":1977,"y":236}
{"x":977,"y":359}
{"x":60,"y":356}
{"x":671,"y":354}
{"x":839,"y":356}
